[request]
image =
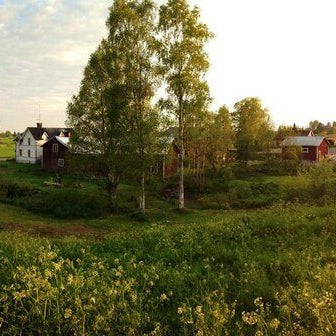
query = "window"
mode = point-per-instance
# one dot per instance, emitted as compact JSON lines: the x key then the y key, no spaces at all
{"x":304,"y":150}
{"x":60,"y":162}
{"x":28,"y":153}
{"x":55,"y":148}
{"x":20,"y":152}
{"x":28,"y":141}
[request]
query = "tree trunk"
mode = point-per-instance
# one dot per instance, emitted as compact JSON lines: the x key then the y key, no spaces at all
{"x":143,"y":193}
{"x":181,"y":164}
{"x":112,"y":186}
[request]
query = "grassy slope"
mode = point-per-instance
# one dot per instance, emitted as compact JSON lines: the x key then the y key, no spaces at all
{"x":6,"y":148}
{"x":286,"y":255}
{"x":208,"y":258}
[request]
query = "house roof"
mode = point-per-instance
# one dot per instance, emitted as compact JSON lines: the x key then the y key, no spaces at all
{"x":306,"y":132}
{"x":37,"y":132}
{"x":293,"y":141}
{"x":62,"y":140}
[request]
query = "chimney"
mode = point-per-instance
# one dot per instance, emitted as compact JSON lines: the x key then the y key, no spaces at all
{"x":39,"y":125}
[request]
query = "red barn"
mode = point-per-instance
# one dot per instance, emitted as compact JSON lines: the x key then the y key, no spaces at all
{"x":310,"y":148}
{"x":54,"y":151}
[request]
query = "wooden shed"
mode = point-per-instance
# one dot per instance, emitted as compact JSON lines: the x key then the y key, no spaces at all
{"x":308,"y":148}
{"x":54,"y":153}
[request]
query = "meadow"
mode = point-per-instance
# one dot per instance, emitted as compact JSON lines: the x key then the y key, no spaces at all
{"x":6,"y":148}
{"x":206,"y":271}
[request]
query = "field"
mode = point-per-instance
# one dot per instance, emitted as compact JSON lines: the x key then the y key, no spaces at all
{"x":262,"y":271}
{"x":6,"y":148}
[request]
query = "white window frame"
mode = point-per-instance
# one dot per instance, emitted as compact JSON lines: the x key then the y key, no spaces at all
{"x":304,"y":150}
{"x":28,"y":153}
{"x":60,"y":162}
{"x":55,"y":148}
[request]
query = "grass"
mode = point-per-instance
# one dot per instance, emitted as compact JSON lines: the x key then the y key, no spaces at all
{"x":263,"y":272}
{"x":7,"y":148}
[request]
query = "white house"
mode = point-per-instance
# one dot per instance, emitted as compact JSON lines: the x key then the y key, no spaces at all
{"x":28,"y":144}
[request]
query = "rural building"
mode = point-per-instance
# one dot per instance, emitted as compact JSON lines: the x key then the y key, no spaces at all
{"x":280,"y":138}
{"x":28,"y":148}
{"x":171,"y":152}
{"x":308,"y":148}
{"x":54,"y":153}
{"x":170,"y":164}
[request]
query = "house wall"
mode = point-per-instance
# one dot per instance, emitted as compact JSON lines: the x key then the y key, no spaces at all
{"x":323,"y":150}
{"x":50,"y":159}
{"x":34,"y":148}
{"x":311,"y":155}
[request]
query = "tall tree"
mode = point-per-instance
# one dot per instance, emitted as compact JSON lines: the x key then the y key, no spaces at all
{"x":112,"y":115}
{"x":253,"y":128}
{"x":221,"y":137}
{"x":185,"y":63}
{"x":97,"y":115}
{"x":132,"y":33}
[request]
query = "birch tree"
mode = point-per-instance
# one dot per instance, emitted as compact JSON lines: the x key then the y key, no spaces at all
{"x":132,"y":34}
{"x":185,"y":63}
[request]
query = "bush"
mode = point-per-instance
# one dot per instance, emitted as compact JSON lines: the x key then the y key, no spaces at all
{"x":13,"y":190}
{"x":67,"y":204}
{"x":240,"y":189}
{"x":296,"y":189}
{"x":320,"y":177}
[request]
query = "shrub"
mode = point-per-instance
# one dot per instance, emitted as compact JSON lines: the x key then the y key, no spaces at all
{"x":296,"y":189}
{"x":320,"y":177}
{"x":14,"y":190}
{"x":67,"y":204}
{"x":240,"y":189}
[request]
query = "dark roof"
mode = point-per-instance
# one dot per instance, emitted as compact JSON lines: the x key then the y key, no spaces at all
{"x":297,"y":141}
{"x":62,"y":140}
{"x":51,"y":131}
{"x":306,"y":132}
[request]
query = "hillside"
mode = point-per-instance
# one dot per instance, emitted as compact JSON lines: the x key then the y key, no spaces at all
{"x":204,"y":273}
{"x":7,"y":148}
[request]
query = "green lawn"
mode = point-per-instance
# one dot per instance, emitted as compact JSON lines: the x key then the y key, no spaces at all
{"x":7,"y":148}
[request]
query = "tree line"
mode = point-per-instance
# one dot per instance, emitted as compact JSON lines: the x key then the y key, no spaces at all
{"x":147,"y":74}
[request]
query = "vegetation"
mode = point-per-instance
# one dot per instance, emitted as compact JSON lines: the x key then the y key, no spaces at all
{"x":185,"y":64}
{"x":253,"y":128}
{"x":253,"y":253}
{"x":224,"y":273}
{"x":6,"y":147}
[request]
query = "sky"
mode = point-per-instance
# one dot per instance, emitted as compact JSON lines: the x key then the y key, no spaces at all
{"x":282,"y":51}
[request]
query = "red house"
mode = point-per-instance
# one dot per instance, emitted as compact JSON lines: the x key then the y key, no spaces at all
{"x":309,"y":148}
{"x":54,"y":151}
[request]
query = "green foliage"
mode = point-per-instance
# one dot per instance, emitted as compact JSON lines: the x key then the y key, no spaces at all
{"x":67,"y":204}
{"x":254,"y":131}
{"x":10,"y":190}
{"x":184,"y":64}
{"x":7,"y":147}
{"x":231,"y":273}
{"x":321,"y":178}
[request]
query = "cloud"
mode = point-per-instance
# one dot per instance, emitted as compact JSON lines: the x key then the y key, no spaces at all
{"x":44,"y":46}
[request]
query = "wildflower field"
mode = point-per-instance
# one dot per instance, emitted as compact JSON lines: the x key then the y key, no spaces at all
{"x":262,"y":272}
